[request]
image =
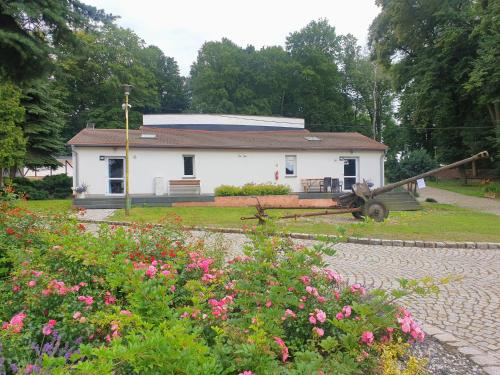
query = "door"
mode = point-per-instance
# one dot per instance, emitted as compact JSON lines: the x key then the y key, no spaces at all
{"x":116,"y":173}
{"x":350,"y":172}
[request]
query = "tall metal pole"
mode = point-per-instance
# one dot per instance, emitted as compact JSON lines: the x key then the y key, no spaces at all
{"x":127,"y":191}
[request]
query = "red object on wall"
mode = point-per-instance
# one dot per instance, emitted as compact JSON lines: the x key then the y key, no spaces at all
{"x":276,"y":175}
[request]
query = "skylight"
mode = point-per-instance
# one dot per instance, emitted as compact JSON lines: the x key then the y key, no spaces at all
{"x":148,"y":136}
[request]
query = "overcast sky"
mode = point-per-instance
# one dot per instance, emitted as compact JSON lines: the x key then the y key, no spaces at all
{"x":180,"y":28}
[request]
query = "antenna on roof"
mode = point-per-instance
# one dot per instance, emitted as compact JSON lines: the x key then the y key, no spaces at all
{"x":90,"y":125}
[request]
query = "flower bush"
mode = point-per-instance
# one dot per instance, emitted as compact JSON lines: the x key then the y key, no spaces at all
{"x":154,"y":300}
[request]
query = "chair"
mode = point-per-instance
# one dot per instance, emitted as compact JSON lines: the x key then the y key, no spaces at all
{"x":336,"y":185}
{"x":327,"y":183}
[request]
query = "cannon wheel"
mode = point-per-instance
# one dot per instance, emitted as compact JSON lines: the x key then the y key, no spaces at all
{"x":376,"y":210}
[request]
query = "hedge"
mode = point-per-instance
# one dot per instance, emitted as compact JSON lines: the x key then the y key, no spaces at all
{"x":50,"y":187}
{"x":252,"y":189}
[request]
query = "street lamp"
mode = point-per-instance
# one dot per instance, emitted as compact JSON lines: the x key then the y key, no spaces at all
{"x":126,"y":106}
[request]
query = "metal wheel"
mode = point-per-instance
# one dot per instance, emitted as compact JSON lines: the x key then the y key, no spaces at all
{"x":376,"y":210}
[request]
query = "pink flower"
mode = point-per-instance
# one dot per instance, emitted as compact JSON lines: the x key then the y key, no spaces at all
{"x":87,"y":299}
{"x":312,"y":319}
{"x":305,"y":279}
{"x":312,"y":290}
{"x":301,"y":306}
{"x":337,"y":295}
{"x":367,"y":337}
{"x":37,"y":273}
{"x":77,"y":315}
{"x":339,"y":316}
{"x":47,"y":329}
{"x":357,"y":288}
{"x":347,"y":311}
{"x":172,"y":288}
{"x":288,"y":313}
{"x":246,"y":373}
{"x":109,"y":299}
{"x":321,"y":299}
{"x":318,"y":331}
{"x":151,"y":271}
{"x":16,"y":323}
{"x":32,"y":283}
{"x":321,"y":315}
{"x":125,"y":312}
{"x":284,"y":349}
{"x":16,"y":288}
{"x":268,"y":303}
{"x":333,"y":276}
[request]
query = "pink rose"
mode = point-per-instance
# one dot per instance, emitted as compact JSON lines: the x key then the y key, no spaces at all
{"x":367,"y":337}
{"x":246,"y":373}
{"x":268,"y":304}
{"x":339,"y":316}
{"x":321,"y":315}
{"x":77,"y":315}
{"x":312,"y":319}
{"x":347,"y":311}
{"x":32,"y":283}
{"x":318,"y":331}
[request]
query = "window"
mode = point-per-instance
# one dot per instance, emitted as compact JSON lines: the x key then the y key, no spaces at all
{"x":291,"y":165}
{"x":188,"y":165}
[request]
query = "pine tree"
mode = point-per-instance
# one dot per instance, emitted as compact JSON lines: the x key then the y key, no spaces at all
{"x":12,"y":142}
{"x":42,"y":125}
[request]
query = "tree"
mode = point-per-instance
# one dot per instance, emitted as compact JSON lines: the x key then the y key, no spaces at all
{"x":31,"y":31}
{"x":438,"y":53}
{"x":91,"y":76}
{"x":43,"y":123}
{"x":12,"y":143}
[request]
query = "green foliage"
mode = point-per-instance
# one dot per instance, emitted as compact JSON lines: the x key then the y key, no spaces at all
{"x":32,"y":31}
{"x":152,"y":300}
{"x":443,"y":57}
{"x":12,"y":142}
{"x":252,"y":189}
{"x":43,"y":124}
{"x":321,"y":77}
{"x":107,"y":59}
{"x":410,"y":164}
{"x":50,"y":187}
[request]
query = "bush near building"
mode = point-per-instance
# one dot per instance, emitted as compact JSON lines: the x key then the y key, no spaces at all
{"x":252,"y":189}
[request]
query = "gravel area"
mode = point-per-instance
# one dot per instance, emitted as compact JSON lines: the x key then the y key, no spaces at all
{"x":444,"y":361}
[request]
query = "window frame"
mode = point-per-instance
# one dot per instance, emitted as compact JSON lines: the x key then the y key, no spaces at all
{"x":184,"y":175}
{"x":294,"y":157}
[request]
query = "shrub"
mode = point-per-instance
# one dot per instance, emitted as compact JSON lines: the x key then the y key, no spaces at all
{"x":252,"y":189}
{"x":50,"y":187}
{"x":491,"y":188}
{"x":152,"y":300}
{"x":410,"y":164}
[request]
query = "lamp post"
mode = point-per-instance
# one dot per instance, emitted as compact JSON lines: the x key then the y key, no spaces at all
{"x":126,"y":90}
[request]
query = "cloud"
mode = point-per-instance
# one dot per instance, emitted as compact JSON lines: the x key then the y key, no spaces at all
{"x":180,"y":28}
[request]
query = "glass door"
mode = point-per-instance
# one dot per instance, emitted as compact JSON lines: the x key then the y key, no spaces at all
{"x":350,"y":172}
{"x":116,"y":179}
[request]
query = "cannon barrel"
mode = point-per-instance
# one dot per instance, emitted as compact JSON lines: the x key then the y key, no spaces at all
{"x":389,"y":187}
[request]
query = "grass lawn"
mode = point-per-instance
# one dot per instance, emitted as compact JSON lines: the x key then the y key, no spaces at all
{"x":56,"y":206}
{"x":435,"y":222}
{"x":457,"y":186}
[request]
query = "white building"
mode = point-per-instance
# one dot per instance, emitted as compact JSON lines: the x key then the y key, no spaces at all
{"x":194,"y":154}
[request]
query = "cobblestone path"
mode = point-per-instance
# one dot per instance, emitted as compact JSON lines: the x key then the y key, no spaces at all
{"x":468,"y":309}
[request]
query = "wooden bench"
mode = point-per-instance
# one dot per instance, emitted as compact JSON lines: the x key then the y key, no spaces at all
{"x":312,"y":185}
{"x":184,"y":187}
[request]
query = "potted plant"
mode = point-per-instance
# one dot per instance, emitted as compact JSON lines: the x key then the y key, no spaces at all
{"x":81,"y":190}
{"x":490,"y":191}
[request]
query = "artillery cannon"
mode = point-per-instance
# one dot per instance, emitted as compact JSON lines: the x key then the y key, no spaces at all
{"x":362,"y":202}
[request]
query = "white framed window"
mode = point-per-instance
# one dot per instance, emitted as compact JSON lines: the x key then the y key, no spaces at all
{"x":188,"y":165}
{"x":290,"y":165}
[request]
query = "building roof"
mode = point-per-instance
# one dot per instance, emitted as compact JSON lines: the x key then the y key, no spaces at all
{"x":147,"y":137}
{"x":226,"y":122}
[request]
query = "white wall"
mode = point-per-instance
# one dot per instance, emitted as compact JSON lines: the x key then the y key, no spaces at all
{"x":218,"y":167}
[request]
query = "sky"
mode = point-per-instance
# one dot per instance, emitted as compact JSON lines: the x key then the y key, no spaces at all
{"x":180,"y":28}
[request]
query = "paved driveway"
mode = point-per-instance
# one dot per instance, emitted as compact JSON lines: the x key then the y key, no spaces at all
{"x":469,"y":309}
{"x":474,"y":203}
